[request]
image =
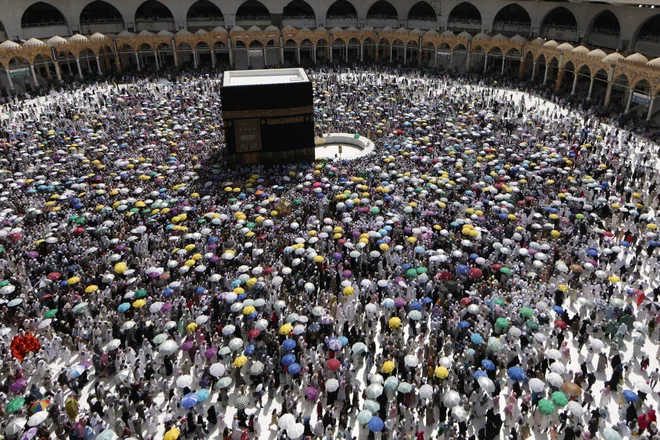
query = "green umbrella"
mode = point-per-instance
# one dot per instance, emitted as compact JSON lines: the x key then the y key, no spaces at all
{"x":251,"y":225}
{"x":356,"y":136}
{"x":499,"y":302}
{"x":546,"y":407}
{"x":559,"y":399}
{"x":141,"y":293}
{"x":80,"y":221}
{"x":532,"y":325}
{"x":494,"y":344}
{"x":50,"y":313}
{"x":297,"y":202}
{"x":15,"y":405}
{"x":79,"y":308}
{"x":159,"y":339}
{"x":4,"y":283}
{"x":411,"y":272}
{"x":505,"y":270}
{"x":502,"y":323}
{"x":526,"y":312}
{"x":579,"y":216}
{"x":421,"y":270}
{"x":375,"y":210}
{"x":611,"y":434}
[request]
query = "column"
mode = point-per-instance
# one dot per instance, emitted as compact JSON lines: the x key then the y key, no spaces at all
{"x":545,"y":77}
{"x":298,"y":54}
{"x":98,"y":65}
{"x":213,"y":57}
{"x":48,"y":74}
{"x":591,"y":88}
{"x":137,"y":57}
{"x":575,"y":80}
{"x":436,"y":58}
{"x":282,"y":50}
{"x":503,"y":63}
{"x":485,"y":62}
{"x":34,"y":76}
{"x":361,"y":52}
{"x":405,"y":52}
{"x":157,"y":63}
{"x":467,"y":62}
{"x":314,"y":54}
{"x":330,"y":51}
{"x":560,"y":78}
{"x":451,"y":58}
{"x":231,"y":53}
{"x":650,"y":112}
{"x":195,"y":57}
{"x":58,"y":73}
{"x":630,"y":95}
{"x":265,"y":55}
{"x":248,"y":56}
{"x":346,"y":47}
{"x":391,"y":53}
{"x":79,"y":68}
{"x":68,"y":63}
{"x":534,"y":70}
{"x":11,"y":83}
{"x":89,"y":65}
{"x":608,"y":94}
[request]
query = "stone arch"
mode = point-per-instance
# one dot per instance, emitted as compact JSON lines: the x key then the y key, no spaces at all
{"x":559,"y":23}
{"x":512,"y":20}
{"x":422,"y":16}
{"x":321,"y":48}
{"x":101,"y":16}
{"x":154,"y":16}
{"x":253,"y":13}
{"x":604,"y":30}
{"x":299,"y":13}
{"x":204,"y":14}
{"x":465,"y":17}
{"x":647,"y":30}
{"x":382,"y":14}
{"x":42,"y":20}
{"x":341,"y":13}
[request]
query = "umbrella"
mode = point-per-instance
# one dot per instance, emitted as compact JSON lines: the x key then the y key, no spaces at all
{"x":486,"y":384}
{"x":240,"y":361}
{"x":572,"y":388}
{"x":224,"y":382}
{"x":488,"y":365}
{"x":311,"y":393}
{"x":37,"y":418}
{"x":172,"y":434}
{"x":451,"y":399}
{"x":517,"y":374}
{"x":75,"y":372}
{"x":184,"y":381}
{"x":295,"y":431}
{"x":332,"y":385}
{"x":425,"y":391}
{"x":241,"y":402}
{"x":611,"y":434}
{"x":168,"y":347}
{"x":559,"y":399}
{"x":374,"y":391}
{"x":363,"y":416}
{"x":359,"y":347}
{"x":536,"y":385}
{"x":256,"y":368}
{"x":575,"y":408}
{"x":554,"y":379}
{"x":376,"y":424}
{"x":217,"y":370}
{"x":552,"y":353}
{"x":16,"y":404}
{"x":189,"y":400}
{"x":289,"y":344}
{"x":203,"y":394}
{"x":294,"y":369}
{"x":411,"y":361}
{"x":643,"y":387}
{"x":15,"y":426}
{"x":286,"y":420}
{"x":29,"y":434}
{"x":40,"y":405}
{"x":333,"y":364}
{"x":546,"y":406}
{"x":404,"y":387}
{"x":630,"y":396}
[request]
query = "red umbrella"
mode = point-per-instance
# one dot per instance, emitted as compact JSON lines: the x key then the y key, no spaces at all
{"x":465,"y":301}
{"x":560,"y":324}
{"x":333,"y":365}
{"x":475,"y":272}
{"x":445,"y":276}
{"x":497,"y":266}
{"x":79,"y":231}
{"x":253,"y":333}
{"x":54,"y":276}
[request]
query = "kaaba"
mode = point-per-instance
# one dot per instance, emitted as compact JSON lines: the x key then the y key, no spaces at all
{"x":268,"y":116}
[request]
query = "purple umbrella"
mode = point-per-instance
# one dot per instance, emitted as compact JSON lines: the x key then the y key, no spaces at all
{"x":187,"y":345}
{"x":347,"y":274}
{"x":400,"y":302}
{"x":153,"y":275}
{"x":327,"y":319}
{"x":311,"y":393}
{"x":33,"y":254}
{"x":166,"y":307}
{"x":29,"y":434}
{"x":337,"y":256}
{"x":18,"y":386}
{"x":211,"y":352}
{"x":214,"y":259}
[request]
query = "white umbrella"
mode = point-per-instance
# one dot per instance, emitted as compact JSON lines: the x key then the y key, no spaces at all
{"x":37,"y":418}
{"x":184,"y":381}
{"x":596,"y":345}
{"x":217,"y":369}
{"x":257,"y":368}
{"x":168,"y":347}
{"x":235,"y":344}
{"x":374,"y":391}
{"x":575,"y":408}
{"x":128,"y":325}
{"x":554,"y":379}
{"x":261,"y":325}
{"x":643,"y":387}
{"x":286,"y":420}
{"x":411,"y":361}
{"x":45,"y":323}
{"x":113,"y":345}
{"x":155,"y":307}
{"x":332,"y":385}
{"x":536,"y":385}
{"x":553,"y":353}
{"x":295,"y":431}
{"x":445,"y":362}
{"x":202,"y":319}
{"x":425,"y":391}
{"x":558,"y":367}
{"x":15,"y":426}
{"x":124,"y":375}
{"x":459,"y":413}
{"x":451,"y":399}
{"x":486,"y":384}
{"x":228,"y":330}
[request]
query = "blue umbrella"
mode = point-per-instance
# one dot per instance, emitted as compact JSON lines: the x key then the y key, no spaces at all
{"x":75,"y":372}
{"x":592,"y":252}
{"x":624,"y":243}
{"x":630,"y":396}
{"x":416,"y":305}
{"x":653,"y":243}
{"x":334,"y":344}
{"x":168,"y":292}
{"x":189,"y":400}
{"x":463,"y":324}
{"x":462,"y":269}
{"x":517,"y":374}
{"x":426,"y":300}
{"x":249,"y":350}
{"x":294,"y":369}
{"x":476,"y":338}
{"x":376,"y":424}
{"x":203,"y":394}
{"x":314,"y":328}
{"x":488,"y":365}
{"x":123,"y":307}
{"x":289,"y":344}
{"x":288,"y":359}
{"x":478,"y":374}
{"x":558,"y":310}
{"x":343,"y":340}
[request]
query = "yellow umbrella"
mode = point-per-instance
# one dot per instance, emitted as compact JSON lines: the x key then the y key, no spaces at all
{"x":73,"y":280}
{"x":395,"y":322}
{"x":348,"y":291}
{"x":240,"y":361}
{"x":190,"y":247}
{"x":318,"y":259}
{"x":441,"y":372}
{"x":387,"y":367}
{"x":191,"y":327}
{"x":652,"y":226}
{"x":139,"y":303}
{"x":249,"y":310}
{"x":91,"y":289}
{"x":555,"y":234}
{"x":384,"y":247}
{"x":286,"y":329}
{"x":614,"y":279}
{"x":172,"y":434}
{"x":120,"y":268}
{"x":563,"y":287}
{"x":239,"y":290}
